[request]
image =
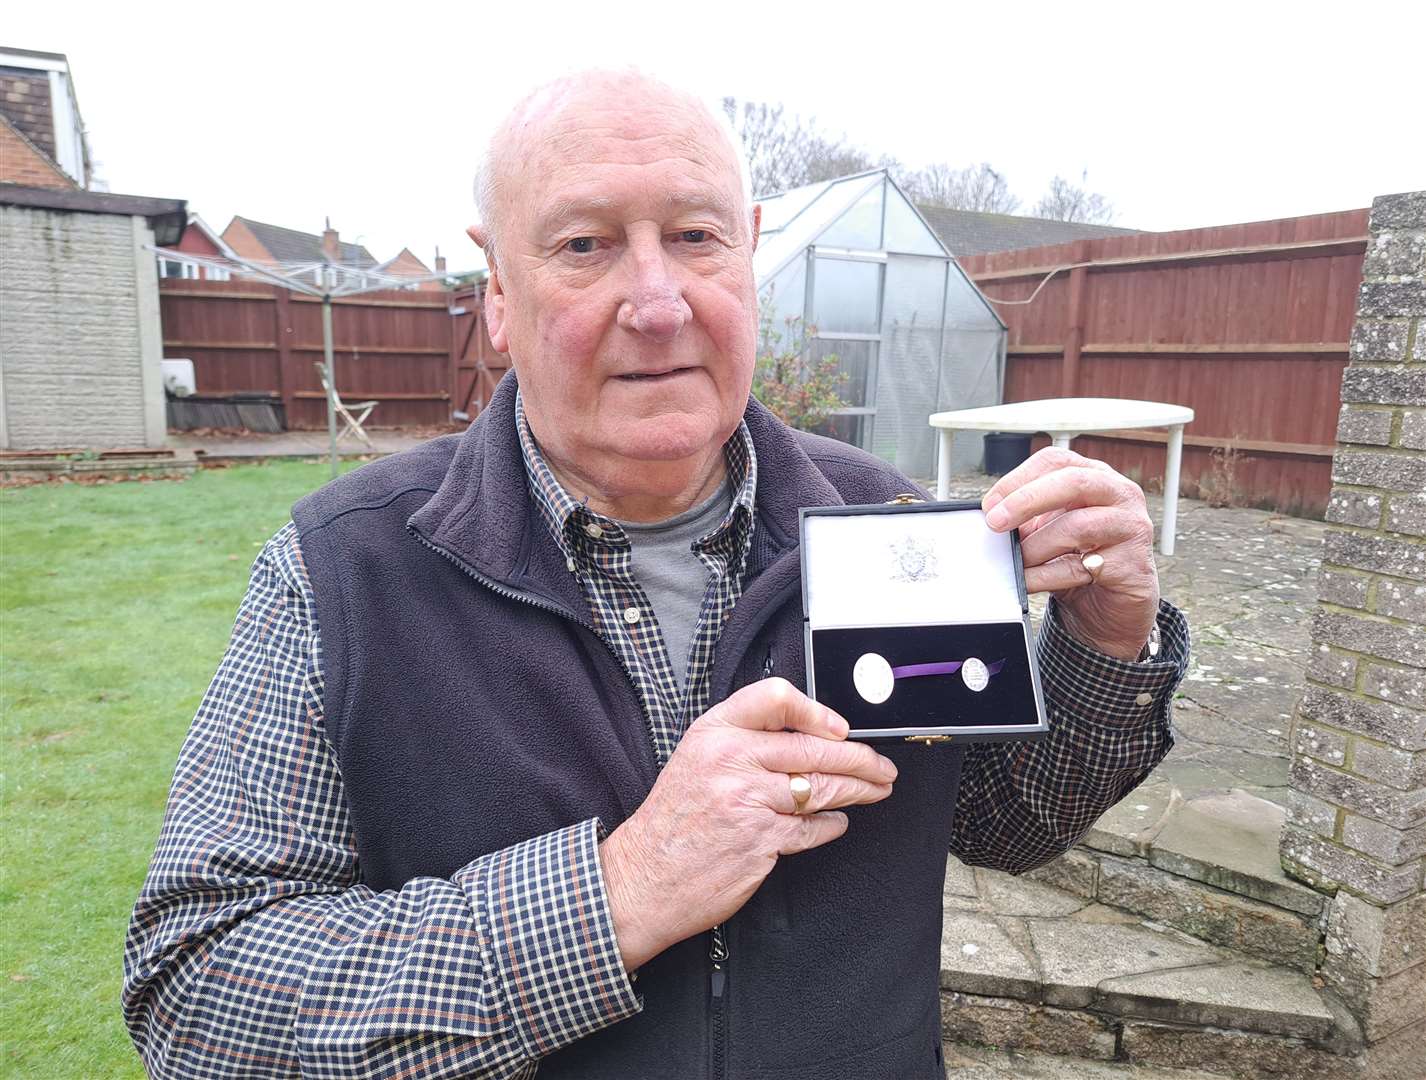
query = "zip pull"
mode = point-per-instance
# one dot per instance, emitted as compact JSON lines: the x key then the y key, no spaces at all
{"x":718,"y":953}
{"x":767,"y":664}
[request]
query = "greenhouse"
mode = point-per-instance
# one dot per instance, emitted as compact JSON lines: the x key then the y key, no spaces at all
{"x":853,"y":260}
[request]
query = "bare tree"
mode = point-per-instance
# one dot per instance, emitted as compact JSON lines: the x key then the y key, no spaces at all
{"x":976,"y":187}
{"x":1066,"y":202}
{"x":784,"y":152}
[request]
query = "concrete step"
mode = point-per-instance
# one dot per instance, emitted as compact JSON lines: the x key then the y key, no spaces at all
{"x":1225,"y":839}
{"x":1128,"y":970}
{"x":1028,"y":965}
{"x":1207,"y":865}
{"x":982,"y":1063}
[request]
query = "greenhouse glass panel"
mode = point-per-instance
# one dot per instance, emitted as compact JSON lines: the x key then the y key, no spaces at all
{"x":909,"y":367}
{"x":860,"y":227}
{"x":855,"y":360}
{"x":778,"y":210}
{"x":966,"y":307}
{"x":784,"y":298}
{"x":905,"y":231}
{"x":846,"y":296}
{"x":970,"y":378}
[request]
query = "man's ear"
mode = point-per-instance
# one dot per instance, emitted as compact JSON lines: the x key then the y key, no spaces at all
{"x":494,"y":294}
{"x":757,"y":223}
{"x":495,"y":312}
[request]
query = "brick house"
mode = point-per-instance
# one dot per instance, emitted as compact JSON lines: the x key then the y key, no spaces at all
{"x":280,"y":246}
{"x":406,"y":264}
{"x":41,"y":131}
{"x":277,"y":245}
{"x":198,"y":239}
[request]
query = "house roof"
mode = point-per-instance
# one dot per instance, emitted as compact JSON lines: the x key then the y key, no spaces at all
{"x":167,"y":217}
{"x":409,"y":256}
{"x":970,"y":232}
{"x":290,"y":246}
{"x":215,"y":238}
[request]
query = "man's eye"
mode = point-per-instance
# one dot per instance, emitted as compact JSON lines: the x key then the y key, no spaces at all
{"x":581,"y":245}
{"x":694,"y":236}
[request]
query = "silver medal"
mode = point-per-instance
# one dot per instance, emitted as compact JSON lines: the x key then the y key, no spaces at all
{"x":975,"y":674}
{"x":872,"y":677}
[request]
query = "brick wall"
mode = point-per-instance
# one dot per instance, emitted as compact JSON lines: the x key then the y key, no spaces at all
{"x":240,"y":238}
{"x":1357,"y":820}
{"x":22,"y":163}
{"x":80,"y":364}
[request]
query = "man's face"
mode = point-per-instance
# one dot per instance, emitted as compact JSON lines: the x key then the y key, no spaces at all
{"x":623,"y":288}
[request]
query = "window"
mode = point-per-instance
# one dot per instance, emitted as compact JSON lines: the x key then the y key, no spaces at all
{"x":178,"y":268}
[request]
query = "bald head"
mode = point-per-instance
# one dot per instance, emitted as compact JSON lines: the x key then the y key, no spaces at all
{"x":548,"y":120}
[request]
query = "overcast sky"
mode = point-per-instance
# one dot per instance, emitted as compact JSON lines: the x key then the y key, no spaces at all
{"x":1183,"y":115}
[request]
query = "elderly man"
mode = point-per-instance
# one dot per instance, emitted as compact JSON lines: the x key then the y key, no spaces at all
{"x":496,"y":772}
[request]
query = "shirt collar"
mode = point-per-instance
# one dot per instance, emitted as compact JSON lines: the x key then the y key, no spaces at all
{"x":569,"y":520}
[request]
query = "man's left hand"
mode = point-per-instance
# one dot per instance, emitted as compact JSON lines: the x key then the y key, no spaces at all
{"x":1068,"y":506}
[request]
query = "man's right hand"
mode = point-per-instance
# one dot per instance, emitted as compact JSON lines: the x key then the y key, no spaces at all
{"x":722,"y":812}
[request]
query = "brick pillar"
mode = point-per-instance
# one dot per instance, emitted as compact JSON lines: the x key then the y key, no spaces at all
{"x":1357,"y":817}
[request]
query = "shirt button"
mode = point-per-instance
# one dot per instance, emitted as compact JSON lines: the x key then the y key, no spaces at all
{"x":631,"y":614}
{"x":594,"y":530}
{"x":569,"y":564}
{"x":1144,"y":699}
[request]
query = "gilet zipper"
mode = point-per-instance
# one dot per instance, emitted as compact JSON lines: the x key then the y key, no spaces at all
{"x":718,"y":956}
{"x":718,"y":985}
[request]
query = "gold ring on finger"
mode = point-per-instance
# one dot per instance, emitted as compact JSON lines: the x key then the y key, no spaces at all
{"x":801,"y":791}
{"x":1092,"y":563}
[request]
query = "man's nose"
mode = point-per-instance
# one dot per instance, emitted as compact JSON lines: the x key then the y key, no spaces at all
{"x":654,"y":305}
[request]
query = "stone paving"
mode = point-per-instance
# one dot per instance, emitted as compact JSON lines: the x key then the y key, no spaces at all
{"x":293,"y":444}
{"x":1171,"y":935}
{"x":1247,"y":580}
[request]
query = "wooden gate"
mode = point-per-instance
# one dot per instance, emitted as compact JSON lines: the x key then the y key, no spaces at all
{"x":477,"y":367}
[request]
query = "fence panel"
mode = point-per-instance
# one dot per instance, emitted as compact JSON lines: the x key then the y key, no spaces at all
{"x":1245,"y":324}
{"x":398,"y":348}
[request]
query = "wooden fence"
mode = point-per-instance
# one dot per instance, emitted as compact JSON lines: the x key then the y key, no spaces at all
{"x":422,"y":355}
{"x":1245,"y":324}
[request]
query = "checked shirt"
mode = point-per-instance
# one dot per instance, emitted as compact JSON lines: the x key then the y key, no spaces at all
{"x":255,"y":950}
{"x":598,"y":552}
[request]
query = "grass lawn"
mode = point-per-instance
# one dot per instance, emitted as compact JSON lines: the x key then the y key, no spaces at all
{"x":115,"y":606}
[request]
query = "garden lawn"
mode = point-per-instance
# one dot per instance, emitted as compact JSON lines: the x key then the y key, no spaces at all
{"x":115,"y":605}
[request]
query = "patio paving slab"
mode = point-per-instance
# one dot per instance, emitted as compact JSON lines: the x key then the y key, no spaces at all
{"x":1230,"y":841}
{"x":1075,"y":957}
{"x":1247,"y":997}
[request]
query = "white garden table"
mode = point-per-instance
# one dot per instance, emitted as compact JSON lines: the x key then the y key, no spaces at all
{"x":1064,"y":418}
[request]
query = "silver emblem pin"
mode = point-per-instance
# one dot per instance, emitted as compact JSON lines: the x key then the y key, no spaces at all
{"x":975,"y":674}
{"x":872,"y":677}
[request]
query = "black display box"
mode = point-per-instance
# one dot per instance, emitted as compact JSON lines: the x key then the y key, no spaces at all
{"x":917,"y":623}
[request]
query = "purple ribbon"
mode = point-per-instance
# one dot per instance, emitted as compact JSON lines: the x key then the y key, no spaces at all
{"x":948,"y":667}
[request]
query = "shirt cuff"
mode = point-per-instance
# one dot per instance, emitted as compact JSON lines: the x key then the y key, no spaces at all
{"x":546,"y":908}
{"x":1104,"y":689}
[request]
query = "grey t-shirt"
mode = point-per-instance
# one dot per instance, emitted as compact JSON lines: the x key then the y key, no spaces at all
{"x":671,"y":575}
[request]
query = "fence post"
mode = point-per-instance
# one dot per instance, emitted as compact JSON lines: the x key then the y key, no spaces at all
{"x":454,"y":321}
{"x":1074,"y":322}
{"x":282,"y":339}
